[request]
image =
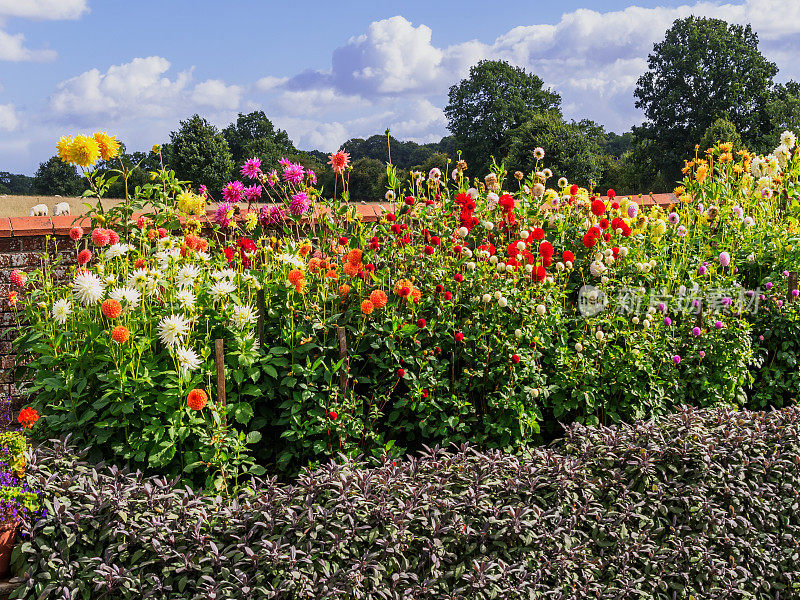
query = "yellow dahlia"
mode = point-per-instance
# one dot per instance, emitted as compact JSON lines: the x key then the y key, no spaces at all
{"x":63,"y":146}
{"x":84,"y":151}
{"x":109,"y":146}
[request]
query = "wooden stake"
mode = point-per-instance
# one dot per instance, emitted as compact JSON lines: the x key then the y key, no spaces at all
{"x":219,"y":350}
{"x":343,"y":371}
{"x":792,"y":286}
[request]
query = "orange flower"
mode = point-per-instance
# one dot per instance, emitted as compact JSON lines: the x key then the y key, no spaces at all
{"x":120,"y":334}
{"x":403,"y":287}
{"x":314,"y":265}
{"x":295,"y":276}
{"x":352,"y":269}
{"x":344,"y":290}
{"x":111,"y":308}
{"x":416,"y":294}
{"x":192,"y":242}
{"x":331,"y":275}
{"x":367,"y":307}
{"x":378,"y":298}
{"x":354,"y":256}
{"x":197,"y":399}
{"x":339,"y":161}
{"x":27,"y":417}
{"x":305,"y":249}
{"x":300,"y":286}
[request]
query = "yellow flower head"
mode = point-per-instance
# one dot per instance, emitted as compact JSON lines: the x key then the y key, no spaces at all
{"x":192,"y":226}
{"x":679,"y":191}
{"x":84,"y":151}
{"x":702,"y":172}
{"x":109,"y":146}
{"x":251,"y":221}
{"x":63,"y":146}
{"x":191,"y":204}
{"x":726,"y":147}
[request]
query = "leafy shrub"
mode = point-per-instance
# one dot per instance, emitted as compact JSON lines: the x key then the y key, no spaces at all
{"x":702,"y":503}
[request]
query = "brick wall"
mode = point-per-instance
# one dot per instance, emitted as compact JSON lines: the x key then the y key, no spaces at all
{"x":25,"y":240}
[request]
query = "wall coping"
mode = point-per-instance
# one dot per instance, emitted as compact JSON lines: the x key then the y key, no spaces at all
{"x":369,"y":211}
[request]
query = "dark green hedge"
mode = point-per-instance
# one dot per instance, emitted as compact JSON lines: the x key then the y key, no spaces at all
{"x":701,"y":504}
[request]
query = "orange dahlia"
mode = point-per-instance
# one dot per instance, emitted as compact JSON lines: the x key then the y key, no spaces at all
{"x":120,"y":334}
{"x":314,"y":265}
{"x":111,"y":308}
{"x":378,"y":298}
{"x":367,"y":307}
{"x":197,"y":399}
{"x":354,"y":256}
{"x":352,"y":269}
{"x":295,"y":276}
{"x":403,"y":287}
{"x":344,"y":290}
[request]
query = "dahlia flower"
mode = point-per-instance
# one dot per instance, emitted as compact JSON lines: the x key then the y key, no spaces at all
{"x":220,"y":290}
{"x":339,"y":161}
{"x":172,"y":329}
{"x":185,"y":298}
{"x":243,"y":315}
{"x":223,"y":214}
{"x":61,"y":311}
{"x":233,"y":191}
{"x":188,"y":360}
{"x":300,"y":204}
{"x":129,"y":295}
{"x":252,"y":168}
{"x":293,"y":173}
{"x":88,"y":288}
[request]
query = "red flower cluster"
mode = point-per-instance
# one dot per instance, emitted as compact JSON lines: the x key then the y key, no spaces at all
{"x":27,"y":417}
{"x":467,"y":204}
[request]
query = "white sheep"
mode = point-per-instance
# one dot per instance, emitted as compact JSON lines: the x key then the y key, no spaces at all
{"x":62,"y":208}
{"x":40,"y":210}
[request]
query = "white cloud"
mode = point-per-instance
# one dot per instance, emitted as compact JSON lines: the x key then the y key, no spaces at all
{"x":266,"y":84}
{"x":216,"y":94}
{"x":9,"y":120}
{"x":12,"y":48}
{"x":44,"y":9}
{"x":141,"y":88}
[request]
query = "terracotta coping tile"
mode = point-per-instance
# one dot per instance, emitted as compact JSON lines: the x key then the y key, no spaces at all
{"x":5,"y":227}
{"x":28,"y":226}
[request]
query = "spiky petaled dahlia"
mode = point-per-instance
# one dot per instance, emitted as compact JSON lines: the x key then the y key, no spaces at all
{"x":300,"y":204}
{"x":88,"y":288}
{"x":84,"y":151}
{"x":252,"y":168}
{"x":111,"y":308}
{"x":197,"y":399}
{"x":233,"y":191}
{"x":293,"y":173}
{"x":108,"y":145}
{"x":64,"y":146}
{"x":120,"y":334}
{"x":339,"y":161}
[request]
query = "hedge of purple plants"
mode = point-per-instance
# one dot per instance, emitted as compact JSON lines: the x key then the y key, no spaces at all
{"x":703,"y":504}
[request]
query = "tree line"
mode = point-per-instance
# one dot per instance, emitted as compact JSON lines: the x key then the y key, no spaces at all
{"x":706,"y":81}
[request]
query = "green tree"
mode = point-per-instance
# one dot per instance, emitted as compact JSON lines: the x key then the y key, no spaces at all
{"x":55,"y":177}
{"x":200,"y":154}
{"x":13,"y":183}
{"x":571,"y":149}
{"x":489,"y":105}
{"x":365,"y":180}
{"x":254,"y":135}
{"x":784,"y":108}
{"x":721,"y":130}
{"x":704,"y":69}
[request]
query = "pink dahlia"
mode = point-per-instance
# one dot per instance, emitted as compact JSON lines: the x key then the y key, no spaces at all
{"x":100,"y":237}
{"x":272,"y":215}
{"x":233,"y":192}
{"x":293,"y":173}
{"x":312,"y":177}
{"x":339,"y":161}
{"x":272,"y":178}
{"x":252,"y":193}
{"x":222,"y":216}
{"x":202,"y":190}
{"x":300,"y":204}
{"x":252,"y":168}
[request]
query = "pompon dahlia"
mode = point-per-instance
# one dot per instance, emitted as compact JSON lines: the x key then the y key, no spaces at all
{"x":19,"y":278}
{"x":120,"y":334}
{"x":101,"y":237}
{"x":111,"y":308}
{"x":76,"y":233}
{"x":367,"y":307}
{"x":64,"y":146}
{"x":378,"y":298}
{"x":197,"y":399}
{"x":252,"y":168}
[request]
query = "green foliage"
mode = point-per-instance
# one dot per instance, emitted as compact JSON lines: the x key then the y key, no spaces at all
{"x":200,"y":154}
{"x":366,"y":180}
{"x":254,"y":135}
{"x":721,"y":130}
{"x":783,"y":107}
{"x":572,"y":152}
{"x":703,"y":70}
{"x":486,"y":108}
{"x":12,"y":183}
{"x":13,"y":446}
{"x":55,"y":177}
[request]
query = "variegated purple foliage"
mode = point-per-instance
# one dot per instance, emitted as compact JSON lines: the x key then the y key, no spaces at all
{"x":702,"y":503}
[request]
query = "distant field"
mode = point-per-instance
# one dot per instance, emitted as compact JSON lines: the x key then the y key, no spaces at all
{"x":19,"y":206}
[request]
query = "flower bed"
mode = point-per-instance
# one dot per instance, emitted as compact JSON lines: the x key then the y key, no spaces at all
{"x":698,"y":504}
{"x":482,"y":311}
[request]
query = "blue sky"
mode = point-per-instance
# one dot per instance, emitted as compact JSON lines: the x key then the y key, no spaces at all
{"x":324,"y":72}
